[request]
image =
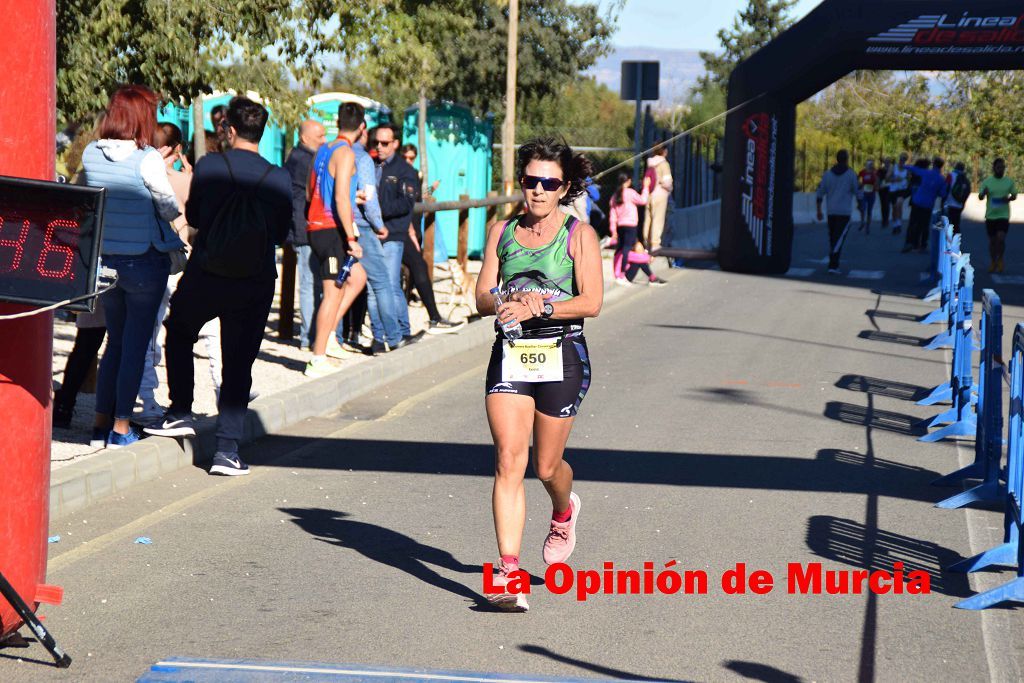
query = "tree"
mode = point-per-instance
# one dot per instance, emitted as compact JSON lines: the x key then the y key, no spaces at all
{"x":752,"y":29}
{"x":185,"y":47}
{"x":456,"y":49}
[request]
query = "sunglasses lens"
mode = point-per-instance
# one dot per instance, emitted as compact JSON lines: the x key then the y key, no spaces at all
{"x":549,"y":184}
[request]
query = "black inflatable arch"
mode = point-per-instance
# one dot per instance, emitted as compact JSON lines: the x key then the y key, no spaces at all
{"x":834,"y":39}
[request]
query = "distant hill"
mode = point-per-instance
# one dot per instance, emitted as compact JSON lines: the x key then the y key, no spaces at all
{"x":680,"y":70}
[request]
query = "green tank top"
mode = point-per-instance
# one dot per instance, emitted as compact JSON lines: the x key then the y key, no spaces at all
{"x":547,"y":269}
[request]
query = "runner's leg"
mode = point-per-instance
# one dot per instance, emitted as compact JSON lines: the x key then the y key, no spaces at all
{"x":550,"y":435}
{"x":510,"y":417}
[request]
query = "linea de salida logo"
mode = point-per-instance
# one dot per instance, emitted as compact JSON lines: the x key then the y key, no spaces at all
{"x":963,"y":30}
{"x":757,"y":131}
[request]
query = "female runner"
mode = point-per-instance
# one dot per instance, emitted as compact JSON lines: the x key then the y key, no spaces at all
{"x":549,"y":267}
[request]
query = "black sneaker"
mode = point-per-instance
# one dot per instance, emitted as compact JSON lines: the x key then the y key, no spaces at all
{"x":228,"y":465}
{"x":172,"y":425}
{"x":658,"y":282}
{"x":444,"y":327}
{"x":409,"y":340}
{"x":62,"y":414}
{"x":378,"y":347}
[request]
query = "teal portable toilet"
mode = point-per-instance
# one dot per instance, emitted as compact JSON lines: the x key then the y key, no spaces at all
{"x":271,"y":144}
{"x":179,"y":116}
{"x":324,"y":108}
{"x":459,"y":154}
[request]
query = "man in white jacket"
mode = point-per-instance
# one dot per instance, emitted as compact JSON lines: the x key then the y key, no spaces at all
{"x":661,"y":189}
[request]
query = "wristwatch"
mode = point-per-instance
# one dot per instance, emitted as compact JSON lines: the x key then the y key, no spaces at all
{"x":548,"y":311}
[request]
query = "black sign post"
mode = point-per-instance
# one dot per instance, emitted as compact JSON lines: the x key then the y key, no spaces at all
{"x":639,"y":82}
{"x":50,"y":239}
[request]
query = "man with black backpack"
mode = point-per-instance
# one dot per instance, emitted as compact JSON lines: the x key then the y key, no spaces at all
{"x":240,"y":205}
{"x":959,"y":191}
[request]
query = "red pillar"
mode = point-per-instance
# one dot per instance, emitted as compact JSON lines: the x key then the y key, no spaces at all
{"x":27,"y":135}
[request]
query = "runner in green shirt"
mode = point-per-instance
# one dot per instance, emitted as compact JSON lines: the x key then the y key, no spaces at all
{"x":1000,"y":191}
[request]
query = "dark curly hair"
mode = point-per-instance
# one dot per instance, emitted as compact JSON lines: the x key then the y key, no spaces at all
{"x":576,"y":168}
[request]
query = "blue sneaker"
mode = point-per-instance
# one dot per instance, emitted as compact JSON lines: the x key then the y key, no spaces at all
{"x":115,"y":440}
{"x":228,"y":464}
{"x":98,"y":438}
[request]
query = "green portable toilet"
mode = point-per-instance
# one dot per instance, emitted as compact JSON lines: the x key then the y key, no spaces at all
{"x":324,"y":108}
{"x":459,"y":154}
{"x":271,"y":144}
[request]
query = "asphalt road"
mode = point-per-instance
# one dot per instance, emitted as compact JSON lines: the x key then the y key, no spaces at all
{"x":763,"y":420}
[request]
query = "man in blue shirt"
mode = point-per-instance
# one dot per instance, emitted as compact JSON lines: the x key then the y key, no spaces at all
{"x":931,"y":185}
{"x":381,"y":293}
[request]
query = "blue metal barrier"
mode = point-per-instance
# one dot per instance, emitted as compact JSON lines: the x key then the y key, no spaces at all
{"x":1010,"y":552}
{"x":947,"y":283}
{"x":988,"y":440}
{"x":939,"y":244}
{"x":960,"y":418}
{"x":944,"y":339}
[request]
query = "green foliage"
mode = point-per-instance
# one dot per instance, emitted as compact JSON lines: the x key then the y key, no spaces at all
{"x":753,"y":28}
{"x":586,"y":113}
{"x":185,"y":47}
{"x":456,"y":49}
{"x":974,"y":117}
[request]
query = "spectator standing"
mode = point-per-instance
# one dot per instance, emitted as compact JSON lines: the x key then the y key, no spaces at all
{"x":884,"y":198}
{"x":168,"y":141}
{"x":930,"y":186}
{"x":240,"y":206}
{"x":661,"y":189}
{"x":999,"y":190}
{"x":137,"y":237}
{"x":622,"y":221}
{"x":868,"y":181}
{"x":399,"y":192}
{"x":311,"y":137}
{"x":838,"y":187}
{"x":959,"y":190}
{"x":332,"y":231}
{"x":899,"y":190}
{"x":381,"y":292}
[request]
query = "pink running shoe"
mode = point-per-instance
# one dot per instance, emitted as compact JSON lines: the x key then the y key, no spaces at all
{"x":505,"y":601}
{"x":561,"y":540}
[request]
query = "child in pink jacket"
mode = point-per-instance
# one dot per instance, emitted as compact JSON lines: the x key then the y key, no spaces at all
{"x":623,"y":219}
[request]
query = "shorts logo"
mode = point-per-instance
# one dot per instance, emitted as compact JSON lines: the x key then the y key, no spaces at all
{"x":567,"y":411}
{"x":502,"y":388}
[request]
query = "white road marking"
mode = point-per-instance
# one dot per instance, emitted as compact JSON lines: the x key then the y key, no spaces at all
{"x":800,"y":272}
{"x":866,"y":274}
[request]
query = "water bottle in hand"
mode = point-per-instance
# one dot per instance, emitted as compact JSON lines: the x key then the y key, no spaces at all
{"x":512,"y":329}
{"x":346,"y":270}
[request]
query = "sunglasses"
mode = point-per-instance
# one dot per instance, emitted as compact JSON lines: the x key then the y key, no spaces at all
{"x":382,"y":143}
{"x":530,"y":182}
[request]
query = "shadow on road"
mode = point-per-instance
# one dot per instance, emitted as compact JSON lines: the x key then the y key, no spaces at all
{"x":882,"y":387}
{"x":854,"y":544}
{"x":596,"y":668}
{"x":877,"y":419}
{"x":760,"y":672}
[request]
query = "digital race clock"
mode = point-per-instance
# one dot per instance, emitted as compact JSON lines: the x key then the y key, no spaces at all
{"x":50,"y":238}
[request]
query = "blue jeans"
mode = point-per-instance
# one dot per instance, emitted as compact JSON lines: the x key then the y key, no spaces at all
{"x":130,"y":309}
{"x":380,"y":288}
{"x":393,"y":262}
{"x":308,"y":275}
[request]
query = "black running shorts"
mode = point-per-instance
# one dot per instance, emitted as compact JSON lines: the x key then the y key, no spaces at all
{"x":556,"y":399}
{"x":330,"y":250}
{"x":994,"y":225}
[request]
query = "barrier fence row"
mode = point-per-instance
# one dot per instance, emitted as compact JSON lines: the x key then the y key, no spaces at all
{"x":979,"y":412}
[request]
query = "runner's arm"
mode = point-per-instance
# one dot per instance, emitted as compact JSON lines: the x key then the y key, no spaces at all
{"x":586,"y":255}
{"x":344,"y":163}
{"x":488,"y":277}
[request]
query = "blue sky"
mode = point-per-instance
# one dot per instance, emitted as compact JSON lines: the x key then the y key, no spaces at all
{"x":682,"y":24}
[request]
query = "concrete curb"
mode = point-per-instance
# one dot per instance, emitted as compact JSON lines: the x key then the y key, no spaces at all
{"x":100,"y":476}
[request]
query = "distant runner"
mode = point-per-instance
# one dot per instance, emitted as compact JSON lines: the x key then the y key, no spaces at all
{"x":1000,"y":191}
{"x":549,"y":266}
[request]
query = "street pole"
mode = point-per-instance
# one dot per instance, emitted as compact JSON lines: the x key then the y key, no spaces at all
{"x":198,"y":128}
{"x":637,"y":132}
{"x":28,"y":105}
{"x":508,"y":132}
{"x":421,"y":141}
